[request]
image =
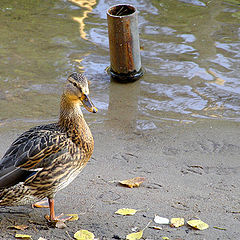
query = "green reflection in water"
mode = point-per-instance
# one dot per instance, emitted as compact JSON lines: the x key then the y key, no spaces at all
{"x":35,"y":44}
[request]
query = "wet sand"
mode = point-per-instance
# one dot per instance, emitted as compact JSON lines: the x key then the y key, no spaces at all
{"x":191,"y":171}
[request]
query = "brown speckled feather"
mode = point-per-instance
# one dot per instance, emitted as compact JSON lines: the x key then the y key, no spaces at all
{"x":47,"y":158}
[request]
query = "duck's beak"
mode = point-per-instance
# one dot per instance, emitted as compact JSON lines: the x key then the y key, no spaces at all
{"x":87,"y":103}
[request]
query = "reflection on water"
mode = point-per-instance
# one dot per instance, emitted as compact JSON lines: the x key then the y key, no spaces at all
{"x":123,"y":105}
{"x":87,"y":5}
{"x":190,"y":51}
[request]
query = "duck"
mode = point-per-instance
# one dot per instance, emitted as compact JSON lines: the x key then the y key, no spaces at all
{"x":46,"y":158}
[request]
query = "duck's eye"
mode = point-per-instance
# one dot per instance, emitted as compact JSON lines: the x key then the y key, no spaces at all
{"x":75,"y":85}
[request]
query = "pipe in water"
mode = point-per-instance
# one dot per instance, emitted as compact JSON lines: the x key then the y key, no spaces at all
{"x":125,"y":59}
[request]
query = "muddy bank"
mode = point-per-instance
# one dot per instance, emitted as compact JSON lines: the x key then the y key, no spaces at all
{"x":192,"y":170}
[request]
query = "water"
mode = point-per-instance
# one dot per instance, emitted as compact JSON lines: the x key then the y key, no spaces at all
{"x":190,"y":52}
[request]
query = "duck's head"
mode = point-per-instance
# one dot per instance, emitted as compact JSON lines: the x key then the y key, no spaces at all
{"x":76,"y":91}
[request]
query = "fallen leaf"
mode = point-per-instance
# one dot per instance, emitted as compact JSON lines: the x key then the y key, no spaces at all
{"x":135,"y":236}
{"x":198,"y":224}
{"x":165,"y":238}
{"x":235,"y":212}
{"x":219,"y":228}
{"x":161,"y":220}
{"x":74,"y":217}
{"x":23,"y":236}
{"x":84,"y":235}
{"x":126,"y":211}
{"x":19,"y":227}
{"x":156,"y":227}
{"x":133,"y":182}
{"x":177,"y":222}
{"x":41,"y":204}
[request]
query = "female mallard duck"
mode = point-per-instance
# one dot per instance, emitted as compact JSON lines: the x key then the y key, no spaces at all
{"x":47,"y":158}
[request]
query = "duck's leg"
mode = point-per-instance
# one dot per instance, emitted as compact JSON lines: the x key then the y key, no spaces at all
{"x":52,"y":212}
{"x":52,"y":217}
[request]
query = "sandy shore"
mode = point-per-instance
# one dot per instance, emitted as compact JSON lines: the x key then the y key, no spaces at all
{"x":191,"y":171}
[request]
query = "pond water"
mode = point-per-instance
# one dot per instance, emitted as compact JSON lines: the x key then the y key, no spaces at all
{"x":190,"y":51}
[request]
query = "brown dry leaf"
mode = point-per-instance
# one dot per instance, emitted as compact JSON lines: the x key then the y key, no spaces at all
{"x":19,"y":227}
{"x":133,"y":182}
{"x":23,"y":236}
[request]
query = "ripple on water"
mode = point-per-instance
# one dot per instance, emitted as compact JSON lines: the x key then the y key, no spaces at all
{"x":190,"y":51}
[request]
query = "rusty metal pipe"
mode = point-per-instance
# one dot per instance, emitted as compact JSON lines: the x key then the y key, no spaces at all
{"x":124,"y":46}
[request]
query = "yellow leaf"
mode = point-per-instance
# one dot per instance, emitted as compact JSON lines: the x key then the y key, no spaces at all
{"x":219,"y":228}
{"x":165,"y":238}
{"x":198,"y":224}
{"x":177,"y":222}
{"x":135,"y":236}
{"x":74,"y":217}
{"x":19,"y":227}
{"x":23,"y":236}
{"x":126,"y":211}
{"x":133,"y":182}
{"x":84,"y":235}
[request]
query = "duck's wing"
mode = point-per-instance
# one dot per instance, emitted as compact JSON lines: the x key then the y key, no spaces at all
{"x":29,"y":153}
